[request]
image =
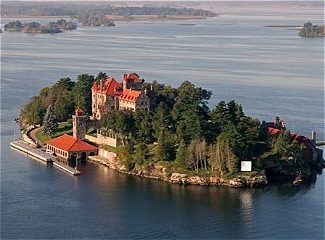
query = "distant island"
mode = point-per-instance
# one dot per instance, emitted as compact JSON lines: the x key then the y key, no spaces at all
{"x":94,"y":20}
{"x":35,"y":27}
{"x":310,"y":30}
{"x":100,"y":14}
{"x":158,"y":131}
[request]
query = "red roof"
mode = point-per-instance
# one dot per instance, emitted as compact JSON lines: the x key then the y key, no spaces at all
{"x":68,"y":143}
{"x":130,"y":95}
{"x":133,"y":77}
{"x":79,"y":112}
{"x":109,"y":87}
{"x":295,"y":136}
{"x":273,"y":131}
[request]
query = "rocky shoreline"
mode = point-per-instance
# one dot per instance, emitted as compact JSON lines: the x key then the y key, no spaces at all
{"x":158,"y":172}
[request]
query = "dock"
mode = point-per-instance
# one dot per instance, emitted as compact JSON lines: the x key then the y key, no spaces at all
{"x":37,"y":153}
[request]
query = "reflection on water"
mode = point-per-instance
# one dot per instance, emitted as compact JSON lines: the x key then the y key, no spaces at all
{"x":102,"y":202}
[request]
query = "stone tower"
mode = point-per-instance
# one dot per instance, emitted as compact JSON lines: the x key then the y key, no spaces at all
{"x":79,"y":124}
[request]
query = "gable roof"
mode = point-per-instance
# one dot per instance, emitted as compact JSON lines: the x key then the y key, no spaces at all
{"x":130,"y":95}
{"x":68,"y":143}
{"x":132,"y":77}
{"x":79,"y":112}
{"x":110,"y":87}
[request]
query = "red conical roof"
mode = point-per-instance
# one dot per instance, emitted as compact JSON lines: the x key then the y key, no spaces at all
{"x":79,"y":112}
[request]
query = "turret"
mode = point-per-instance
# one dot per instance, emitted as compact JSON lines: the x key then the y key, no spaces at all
{"x":79,"y":120}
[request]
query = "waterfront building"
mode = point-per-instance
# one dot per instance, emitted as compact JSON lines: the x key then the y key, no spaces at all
{"x":67,"y":148}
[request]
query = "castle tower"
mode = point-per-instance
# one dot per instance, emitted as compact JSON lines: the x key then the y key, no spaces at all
{"x":79,"y":124}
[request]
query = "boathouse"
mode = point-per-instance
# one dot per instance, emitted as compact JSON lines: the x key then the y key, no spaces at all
{"x":70,"y":148}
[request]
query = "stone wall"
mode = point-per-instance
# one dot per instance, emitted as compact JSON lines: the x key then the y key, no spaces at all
{"x":106,"y":154}
{"x":100,"y":139}
{"x":28,"y":140}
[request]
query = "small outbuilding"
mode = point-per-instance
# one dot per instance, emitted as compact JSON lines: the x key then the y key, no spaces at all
{"x":71,"y":148}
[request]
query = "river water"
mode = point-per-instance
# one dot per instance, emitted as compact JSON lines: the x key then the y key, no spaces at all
{"x":270,"y":71}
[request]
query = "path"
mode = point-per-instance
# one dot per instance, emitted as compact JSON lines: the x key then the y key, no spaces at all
{"x":32,"y":135}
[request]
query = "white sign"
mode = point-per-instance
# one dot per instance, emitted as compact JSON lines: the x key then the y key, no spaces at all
{"x":246,"y":166}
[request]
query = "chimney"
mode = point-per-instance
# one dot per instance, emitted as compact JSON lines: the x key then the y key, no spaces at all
{"x":313,"y":136}
{"x":101,"y":84}
{"x":277,"y":121}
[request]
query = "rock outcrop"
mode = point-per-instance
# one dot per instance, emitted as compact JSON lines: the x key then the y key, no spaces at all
{"x":156,"y":171}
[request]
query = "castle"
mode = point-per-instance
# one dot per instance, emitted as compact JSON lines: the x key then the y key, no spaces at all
{"x":109,"y":94}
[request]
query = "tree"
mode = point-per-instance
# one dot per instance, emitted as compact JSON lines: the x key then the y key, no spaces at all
{"x":141,"y":153}
{"x":222,"y":159}
{"x":64,"y":83}
{"x":50,"y":123}
{"x":101,"y":76}
{"x":125,"y":125}
{"x":32,"y":113}
{"x":63,"y":106}
{"x":190,"y":111}
{"x":197,"y":155}
{"x":182,"y":154}
{"x":82,"y":92}
{"x":284,"y":146}
{"x":143,"y":126}
{"x":126,"y":155}
{"x":162,"y":119}
{"x":165,"y":149}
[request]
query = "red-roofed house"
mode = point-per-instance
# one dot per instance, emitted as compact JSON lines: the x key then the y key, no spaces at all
{"x":68,"y":147}
{"x":134,"y":100}
{"x":105,"y":95}
{"x":108,"y":94}
{"x":132,"y":81}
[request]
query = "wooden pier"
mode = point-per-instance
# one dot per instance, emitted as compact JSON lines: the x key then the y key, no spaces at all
{"x":37,"y":153}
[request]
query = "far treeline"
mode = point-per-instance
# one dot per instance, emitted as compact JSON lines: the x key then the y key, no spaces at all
{"x":35,"y":27}
{"x":181,"y":131}
{"x":73,"y":9}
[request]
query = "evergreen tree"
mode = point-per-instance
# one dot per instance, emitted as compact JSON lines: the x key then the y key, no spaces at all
{"x":191,"y":112}
{"x":143,"y":126}
{"x":165,"y":149}
{"x":284,"y":146}
{"x":101,"y":76}
{"x":82,"y":91}
{"x":141,"y":153}
{"x":50,"y":123}
{"x":182,"y":154}
{"x":162,"y":119}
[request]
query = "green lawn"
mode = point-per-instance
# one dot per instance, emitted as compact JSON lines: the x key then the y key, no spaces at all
{"x":64,"y":127}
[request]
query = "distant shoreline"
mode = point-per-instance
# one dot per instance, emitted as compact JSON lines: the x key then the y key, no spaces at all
{"x":130,"y":18}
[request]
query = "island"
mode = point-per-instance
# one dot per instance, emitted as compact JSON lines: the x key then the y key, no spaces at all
{"x":94,"y":20}
{"x":162,"y":132}
{"x":96,"y":14}
{"x":35,"y":27}
{"x":310,"y":30}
